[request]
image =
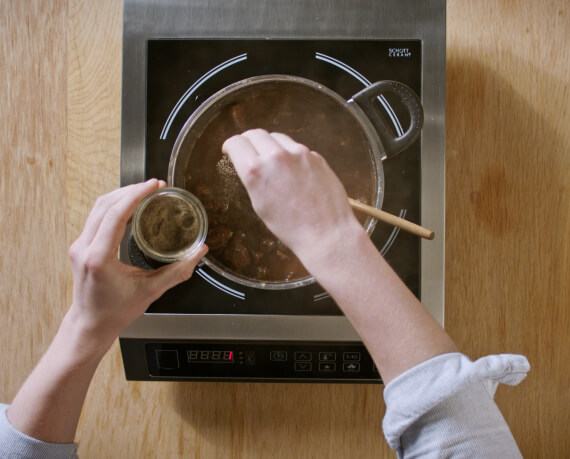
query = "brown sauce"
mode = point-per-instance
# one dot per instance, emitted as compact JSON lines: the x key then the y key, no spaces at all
{"x":238,"y":240}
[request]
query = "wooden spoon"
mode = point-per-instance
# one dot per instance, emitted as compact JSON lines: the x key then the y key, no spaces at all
{"x":392,"y":219}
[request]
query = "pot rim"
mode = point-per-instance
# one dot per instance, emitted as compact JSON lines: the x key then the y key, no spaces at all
{"x":359,"y":115}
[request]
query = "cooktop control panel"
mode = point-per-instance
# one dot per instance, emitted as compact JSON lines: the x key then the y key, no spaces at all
{"x":253,"y":361}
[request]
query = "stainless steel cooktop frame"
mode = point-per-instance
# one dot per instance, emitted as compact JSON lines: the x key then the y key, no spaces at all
{"x":299,"y":19}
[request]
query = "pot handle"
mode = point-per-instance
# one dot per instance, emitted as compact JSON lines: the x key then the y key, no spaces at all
{"x":365,"y":99}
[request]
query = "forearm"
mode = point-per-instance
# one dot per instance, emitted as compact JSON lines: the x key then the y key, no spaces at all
{"x":49,"y":404}
{"x":331,"y":244}
{"x":397,"y":330}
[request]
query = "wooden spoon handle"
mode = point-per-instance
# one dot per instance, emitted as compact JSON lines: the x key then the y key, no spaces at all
{"x":392,"y":219}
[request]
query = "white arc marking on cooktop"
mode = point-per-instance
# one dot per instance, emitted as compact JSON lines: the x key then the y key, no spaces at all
{"x":321,"y":296}
{"x":393,"y":235}
{"x":194,"y":87}
{"x":223,"y":287}
{"x":366,"y":82}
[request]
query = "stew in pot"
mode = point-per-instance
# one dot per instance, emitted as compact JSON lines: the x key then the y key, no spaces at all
{"x":238,"y":240}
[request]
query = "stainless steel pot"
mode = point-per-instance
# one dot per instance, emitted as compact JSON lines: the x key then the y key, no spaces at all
{"x":352,"y":135}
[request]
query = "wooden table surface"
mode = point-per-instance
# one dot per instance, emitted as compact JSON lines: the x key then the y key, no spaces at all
{"x":507,"y":223}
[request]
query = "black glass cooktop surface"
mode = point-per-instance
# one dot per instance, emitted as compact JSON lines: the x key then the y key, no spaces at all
{"x":182,"y":74}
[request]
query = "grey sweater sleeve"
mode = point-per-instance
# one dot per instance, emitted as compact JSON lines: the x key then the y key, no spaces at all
{"x":14,"y":444}
{"x":444,"y":407}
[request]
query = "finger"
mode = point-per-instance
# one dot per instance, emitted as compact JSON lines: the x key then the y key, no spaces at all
{"x":289,"y":144}
{"x":263,"y":142}
{"x":112,"y":227}
{"x":101,"y":207}
{"x":161,"y":184}
{"x":102,"y":204}
{"x":242,"y":153}
{"x":168,"y":276}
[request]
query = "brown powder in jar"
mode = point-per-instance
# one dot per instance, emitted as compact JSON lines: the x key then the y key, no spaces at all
{"x":168,"y":224}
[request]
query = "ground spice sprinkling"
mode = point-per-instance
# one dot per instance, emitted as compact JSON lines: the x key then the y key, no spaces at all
{"x":168,"y":224}
{"x":228,"y":176}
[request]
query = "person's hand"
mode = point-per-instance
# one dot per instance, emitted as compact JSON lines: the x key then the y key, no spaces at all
{"x":292,"y":189}
{"x":108,"y":295}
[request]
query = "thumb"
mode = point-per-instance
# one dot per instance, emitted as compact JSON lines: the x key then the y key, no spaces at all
{"x":168,"y":276}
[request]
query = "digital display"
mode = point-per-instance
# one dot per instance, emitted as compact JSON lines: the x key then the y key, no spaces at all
{"x":201,"y":356}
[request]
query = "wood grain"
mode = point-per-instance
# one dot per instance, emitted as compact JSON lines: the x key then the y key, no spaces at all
{"x":33,"y":131}
{"x":508,"y":202}
{"x":507,"y":245}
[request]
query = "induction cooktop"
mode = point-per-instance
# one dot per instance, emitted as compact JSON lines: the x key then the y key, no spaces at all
{"x":210,"y":328}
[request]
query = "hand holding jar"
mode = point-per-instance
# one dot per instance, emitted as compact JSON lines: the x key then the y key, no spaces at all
{"x":108,"y":295}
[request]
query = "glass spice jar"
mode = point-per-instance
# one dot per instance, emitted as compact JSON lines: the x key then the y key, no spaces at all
{"x":170,"y":224}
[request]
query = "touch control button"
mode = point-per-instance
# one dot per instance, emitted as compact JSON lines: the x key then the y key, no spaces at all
{"x":327,"y":366}
{"x":306,"y":356}
{"x":167,"y":359}
{"x":352,"y":356}
{"x":303,"y":366}
{"x":351,"y":367}
{"x":327,"y":356}
{"x":278,"y":356}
